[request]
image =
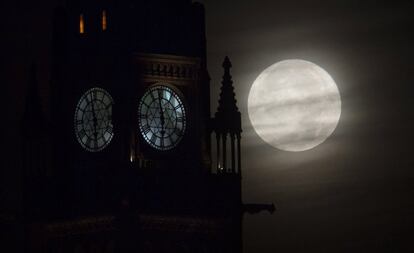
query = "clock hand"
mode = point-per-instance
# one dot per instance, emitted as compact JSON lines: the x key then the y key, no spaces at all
{"x":95,"y":120}
{"x":161,"y":113}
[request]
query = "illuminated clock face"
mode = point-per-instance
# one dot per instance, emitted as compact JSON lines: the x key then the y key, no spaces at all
{"x":93,"y":120}
{"x":161,"y":117}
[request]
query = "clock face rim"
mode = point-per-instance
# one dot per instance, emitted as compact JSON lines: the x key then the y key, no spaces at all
{"x":177,"y":94}
{"x":78,"y":106}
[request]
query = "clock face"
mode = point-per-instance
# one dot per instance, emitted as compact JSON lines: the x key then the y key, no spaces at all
{"x":93,"y":120}
{"x":161,"y":117}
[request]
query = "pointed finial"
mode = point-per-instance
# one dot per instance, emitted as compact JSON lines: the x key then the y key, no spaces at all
{"x":227,"y":79}
{"x":227,"y":63}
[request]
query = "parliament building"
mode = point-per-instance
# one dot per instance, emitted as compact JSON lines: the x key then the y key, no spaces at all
{"x":125,"y":163}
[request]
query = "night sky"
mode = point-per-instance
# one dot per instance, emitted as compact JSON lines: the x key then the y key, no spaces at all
{"x":354,"y":192}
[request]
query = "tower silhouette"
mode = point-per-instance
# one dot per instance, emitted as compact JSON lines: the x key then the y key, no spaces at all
{"x":125,"y":164}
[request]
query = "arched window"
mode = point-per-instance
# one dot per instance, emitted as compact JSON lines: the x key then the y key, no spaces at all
{"x":104,"y":20}
{"x":81,"y":24}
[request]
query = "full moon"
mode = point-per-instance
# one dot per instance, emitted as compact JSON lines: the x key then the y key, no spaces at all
{"x":294,"y":105}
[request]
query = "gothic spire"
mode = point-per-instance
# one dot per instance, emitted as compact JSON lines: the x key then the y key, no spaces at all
{"x":228,"y":114}
{"x":227,"y":123}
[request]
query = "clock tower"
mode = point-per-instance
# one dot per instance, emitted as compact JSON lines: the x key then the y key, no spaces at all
{"x":131,"y":166}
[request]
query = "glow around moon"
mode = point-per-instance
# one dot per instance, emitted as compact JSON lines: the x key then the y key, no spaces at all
{"x":294,"y":105}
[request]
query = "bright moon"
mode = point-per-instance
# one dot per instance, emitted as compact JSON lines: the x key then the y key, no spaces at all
{"x":294,"y":105}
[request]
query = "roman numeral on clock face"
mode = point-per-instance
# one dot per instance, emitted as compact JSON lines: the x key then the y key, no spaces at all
{"x":88,"y":142}
{"x":180,"y":119}
{"x":82,"y":133}
{"x":146,"y":129}
{"x":154,"y":138}
{"x":93,"y":93}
